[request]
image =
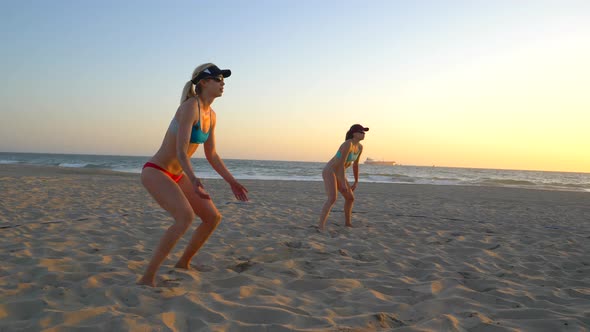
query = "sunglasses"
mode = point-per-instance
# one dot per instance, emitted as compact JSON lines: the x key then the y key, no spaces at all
{"x":215,"y":78}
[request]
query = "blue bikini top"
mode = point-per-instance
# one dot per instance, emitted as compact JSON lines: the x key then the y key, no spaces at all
{"x":197,"y":134}
{"x":351,"y":156}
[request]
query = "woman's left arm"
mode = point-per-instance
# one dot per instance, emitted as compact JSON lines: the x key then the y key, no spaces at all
{"x":215,"y":160}
{"x":355,"y":170}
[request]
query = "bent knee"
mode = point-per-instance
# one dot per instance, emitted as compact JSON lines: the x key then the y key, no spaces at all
{"x":349,"y":198}
{"x":184,"y":218}
{"x":213,"y":220}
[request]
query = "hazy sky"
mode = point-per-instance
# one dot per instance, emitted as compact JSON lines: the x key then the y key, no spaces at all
{"x":495,"y":84}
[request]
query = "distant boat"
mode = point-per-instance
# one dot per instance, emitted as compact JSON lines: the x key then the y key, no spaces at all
{"x":371,"y":161}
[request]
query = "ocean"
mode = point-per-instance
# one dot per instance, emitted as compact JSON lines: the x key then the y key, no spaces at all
{"x":312,"y":171}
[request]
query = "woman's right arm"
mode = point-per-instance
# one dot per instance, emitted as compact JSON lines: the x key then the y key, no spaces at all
{"x":340,"y":162}
{"x":186,"y":118}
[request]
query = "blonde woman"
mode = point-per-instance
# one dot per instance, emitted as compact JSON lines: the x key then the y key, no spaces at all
{"x":335,"y":176}
{"x":169,"y":177}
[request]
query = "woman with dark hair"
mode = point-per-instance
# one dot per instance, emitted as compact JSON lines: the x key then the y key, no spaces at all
{"x":335,"y":177}
{"x":169,"y":177}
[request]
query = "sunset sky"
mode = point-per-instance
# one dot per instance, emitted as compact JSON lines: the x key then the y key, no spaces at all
{"x":490,"y":84}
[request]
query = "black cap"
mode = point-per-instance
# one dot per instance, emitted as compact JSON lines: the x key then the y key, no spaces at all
{"x":357,"y":128}
{"x":211,"y":71}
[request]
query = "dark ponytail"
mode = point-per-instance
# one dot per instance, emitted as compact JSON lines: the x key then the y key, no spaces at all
{"x":348,"y":135}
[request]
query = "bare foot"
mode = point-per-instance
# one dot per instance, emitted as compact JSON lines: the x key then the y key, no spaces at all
{"x":349,"y":225}
{"x":147,"y":282}
{"x":183,"y":266}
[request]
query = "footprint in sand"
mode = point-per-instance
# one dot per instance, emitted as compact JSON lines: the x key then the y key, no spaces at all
{"x":204,"y":268}
{"x":169,"y":282}
{"x":244,"y":266}
{"x":294,"y":244}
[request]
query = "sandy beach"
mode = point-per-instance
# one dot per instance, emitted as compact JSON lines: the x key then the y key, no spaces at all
{"x":420,"y":258}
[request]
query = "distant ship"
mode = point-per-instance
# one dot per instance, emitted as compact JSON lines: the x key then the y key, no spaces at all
{"x":371,"y":161}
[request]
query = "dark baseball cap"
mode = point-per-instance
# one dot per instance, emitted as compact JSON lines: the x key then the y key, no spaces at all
{"x":357,"y":128}
{"x":211,"y":71}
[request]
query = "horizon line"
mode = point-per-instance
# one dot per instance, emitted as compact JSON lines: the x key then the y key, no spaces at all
{"x":301,"y":161}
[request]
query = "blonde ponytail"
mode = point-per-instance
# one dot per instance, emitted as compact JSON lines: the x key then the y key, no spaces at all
{"x":188,"y":92}
{"x":190,"y":89}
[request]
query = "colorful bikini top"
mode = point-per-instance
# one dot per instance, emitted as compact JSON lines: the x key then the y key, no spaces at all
{"x":351,"y":156}
{"x":197,"y":134}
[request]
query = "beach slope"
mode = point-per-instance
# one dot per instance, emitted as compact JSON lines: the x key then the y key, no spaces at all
{"x":420,"y":257}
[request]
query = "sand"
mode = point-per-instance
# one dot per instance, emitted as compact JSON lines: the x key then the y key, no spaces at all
{"x":420,"y":258}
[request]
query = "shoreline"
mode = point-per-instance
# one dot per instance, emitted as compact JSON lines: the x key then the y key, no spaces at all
{"x":419,"y":257}
{"x":43,"y":170}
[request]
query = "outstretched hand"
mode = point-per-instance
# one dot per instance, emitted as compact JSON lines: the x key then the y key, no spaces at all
{"x":200,"y":190}
{"x":239,"y":191}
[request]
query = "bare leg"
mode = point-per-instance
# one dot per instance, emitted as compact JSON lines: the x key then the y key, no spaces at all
{"x":200,"y":236}
{"x":330,"y":187}
{"x":211,"y":218}
{"x":348,"y":202}
{"x":170,"y":197}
